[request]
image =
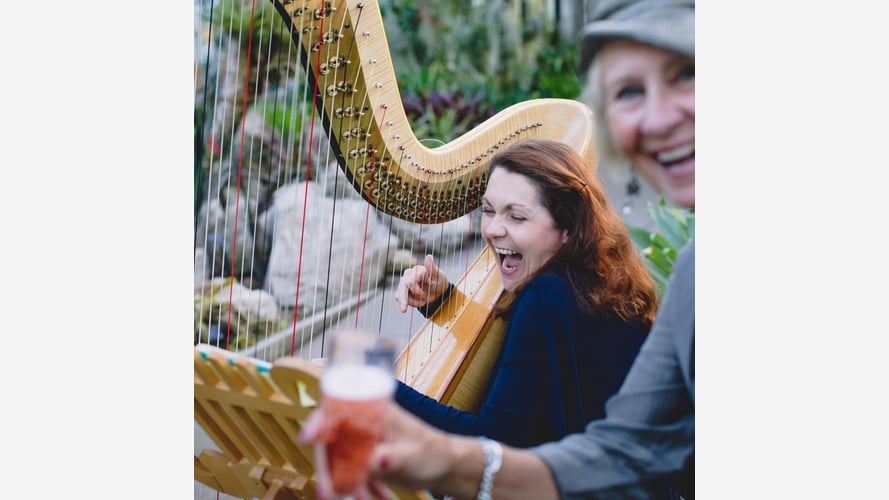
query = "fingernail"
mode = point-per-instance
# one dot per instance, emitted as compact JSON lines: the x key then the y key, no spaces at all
{"x":304,"y":435}
{"x":309,"y":428}
{"x":383,"y":463}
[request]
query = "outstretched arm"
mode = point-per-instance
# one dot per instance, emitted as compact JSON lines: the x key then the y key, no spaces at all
{"x":416,"y":456}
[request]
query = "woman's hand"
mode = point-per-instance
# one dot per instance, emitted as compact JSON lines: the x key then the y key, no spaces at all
{"x":410,"y":454}
{"x":421,"y":285}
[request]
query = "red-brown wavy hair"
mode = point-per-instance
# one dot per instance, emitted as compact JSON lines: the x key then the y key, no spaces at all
{"x":605,"y":269}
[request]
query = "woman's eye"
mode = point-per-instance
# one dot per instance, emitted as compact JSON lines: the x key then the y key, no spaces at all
{"x":628,"y":92}
{"x":687,"y":73}
{"x":486,"y":210}
{"x":517,"y":217}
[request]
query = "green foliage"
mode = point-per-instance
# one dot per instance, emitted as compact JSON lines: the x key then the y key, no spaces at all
{"x":556,"y":74}
{"x":282,"y":114}
{"x":494,"y":51}
{"x":549,"y":73}
{"x":233,"y":17}
{"x":659,"y":249}
{"x":445,"y":115}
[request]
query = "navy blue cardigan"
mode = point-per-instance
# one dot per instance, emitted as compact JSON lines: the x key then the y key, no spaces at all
{"x":554,"y":372}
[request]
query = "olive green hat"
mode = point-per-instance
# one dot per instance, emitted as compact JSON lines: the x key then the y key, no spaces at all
{"x":669,"y":24}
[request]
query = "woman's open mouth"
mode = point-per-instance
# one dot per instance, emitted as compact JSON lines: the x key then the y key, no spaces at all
{"x":509,"y":259}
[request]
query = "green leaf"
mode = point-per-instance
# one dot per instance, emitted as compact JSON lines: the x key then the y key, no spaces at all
{"x":641,"y":237}
{"x":659,"y":260}
{"x":669,"y":224}
{"x":659,"y":242}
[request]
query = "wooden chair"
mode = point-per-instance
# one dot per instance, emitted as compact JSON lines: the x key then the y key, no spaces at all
{"x":253,"y":411}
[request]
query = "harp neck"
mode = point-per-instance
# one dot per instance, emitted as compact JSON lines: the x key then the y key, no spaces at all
{"x":345,"y":53}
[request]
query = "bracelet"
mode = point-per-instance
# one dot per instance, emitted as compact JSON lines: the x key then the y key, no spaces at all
{"x":493,"y":454}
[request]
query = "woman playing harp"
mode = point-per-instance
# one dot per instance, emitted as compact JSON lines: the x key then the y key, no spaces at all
{"x":269,"y":181}
{"x":578,"y":303}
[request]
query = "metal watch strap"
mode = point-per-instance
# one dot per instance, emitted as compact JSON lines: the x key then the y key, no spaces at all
{"x":493,"y":454}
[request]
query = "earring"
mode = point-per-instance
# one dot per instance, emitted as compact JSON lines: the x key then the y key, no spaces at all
{"x":632,"y":191}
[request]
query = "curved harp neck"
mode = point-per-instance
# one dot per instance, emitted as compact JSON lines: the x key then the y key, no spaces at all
{"x":346,"y":56}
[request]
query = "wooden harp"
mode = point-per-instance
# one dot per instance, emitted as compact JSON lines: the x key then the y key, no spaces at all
{"x":334,"y":78}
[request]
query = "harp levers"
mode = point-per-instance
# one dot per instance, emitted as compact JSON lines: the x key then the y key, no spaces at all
{"x":338,"y":53}
{"x":346,"y":56}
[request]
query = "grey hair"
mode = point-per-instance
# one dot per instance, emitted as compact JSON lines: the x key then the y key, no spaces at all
{"x":593,"y":95}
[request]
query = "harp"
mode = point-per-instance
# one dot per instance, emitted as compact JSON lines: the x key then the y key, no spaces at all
{"x":307,"y":153}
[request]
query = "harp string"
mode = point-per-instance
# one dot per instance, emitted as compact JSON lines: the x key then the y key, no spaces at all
{"x":367,"y":215}
{"x":308,"y":176}
{"x":239,"y":189}
{"x":333,"y":52}
{"x":423,"y":184}
{"x":254,"y":175}
{"x":237,"y":200}
{"x":310,"y":122}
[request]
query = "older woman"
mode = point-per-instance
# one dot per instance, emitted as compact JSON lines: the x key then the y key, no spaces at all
{"x":643,"y":61}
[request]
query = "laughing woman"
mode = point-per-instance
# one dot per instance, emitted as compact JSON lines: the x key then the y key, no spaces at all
{"x":578,"y":300}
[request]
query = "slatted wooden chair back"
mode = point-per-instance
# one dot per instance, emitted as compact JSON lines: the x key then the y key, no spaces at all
{"x":253,"y":411}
